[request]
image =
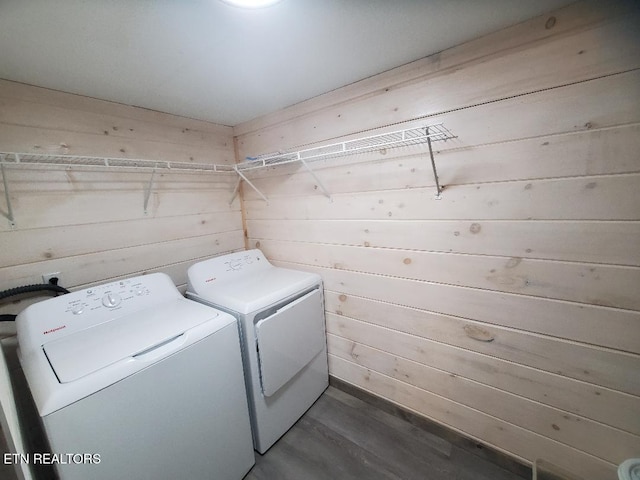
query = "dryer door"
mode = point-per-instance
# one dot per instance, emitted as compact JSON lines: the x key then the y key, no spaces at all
{"x":289,"y":339}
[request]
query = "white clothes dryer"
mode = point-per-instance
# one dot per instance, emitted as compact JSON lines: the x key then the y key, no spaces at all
{"x":132,"y":380}
{"x":284,"y":346}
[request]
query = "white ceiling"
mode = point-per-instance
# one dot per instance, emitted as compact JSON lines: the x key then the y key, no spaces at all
{"x":207,"y":60}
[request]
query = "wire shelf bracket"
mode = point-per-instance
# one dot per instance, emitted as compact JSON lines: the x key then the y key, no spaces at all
{"x":315,"y":177}
{"x":248,"y":182}
{"x":433,"y":166}
{"x":9,"y":215}
{"x":147,"y":192}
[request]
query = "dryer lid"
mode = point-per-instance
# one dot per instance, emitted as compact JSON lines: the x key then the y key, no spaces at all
{"x":87,"y":351}
{"x":245,"y":282}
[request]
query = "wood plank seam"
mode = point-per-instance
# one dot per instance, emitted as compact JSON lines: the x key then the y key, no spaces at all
{"x":485,"y":354}
{"x":373,"y":248}
{"x":429,"y":187}
{"x":477,"y":288}
{"x":473,"y":321}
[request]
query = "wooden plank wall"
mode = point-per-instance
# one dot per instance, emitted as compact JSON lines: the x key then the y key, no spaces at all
{"x":90,"y":225}
{"x":509,"y":310}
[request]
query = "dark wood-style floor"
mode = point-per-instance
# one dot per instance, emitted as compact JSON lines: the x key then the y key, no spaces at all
{"x":342,"y":437}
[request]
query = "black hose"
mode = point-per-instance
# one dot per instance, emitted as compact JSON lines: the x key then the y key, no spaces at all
{"x":12,"y":292}
{"x":44,"y":287}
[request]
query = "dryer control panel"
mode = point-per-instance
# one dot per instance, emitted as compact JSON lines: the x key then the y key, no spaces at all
{"x":228,"y":267}
{"x":243,"y":261}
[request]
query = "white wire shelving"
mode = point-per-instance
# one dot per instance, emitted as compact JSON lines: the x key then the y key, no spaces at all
{"x":400,"y":138}
{"x":13,"y":159}
{"x":70,"y":161}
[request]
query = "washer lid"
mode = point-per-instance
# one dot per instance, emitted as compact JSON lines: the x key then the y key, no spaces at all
{"x":87,"y":351}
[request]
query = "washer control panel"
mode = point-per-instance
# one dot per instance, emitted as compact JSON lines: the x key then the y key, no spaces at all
{"x":112,"y":296}
{"x":57,"y":317}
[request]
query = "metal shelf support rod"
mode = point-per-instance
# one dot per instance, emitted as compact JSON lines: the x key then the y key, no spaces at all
{"x":315,"y":177}
{"x":433,"y":165}
{"x":147,"y":192}
{"x":9,"y":214}
{"x":251,"y":184}
{"x":235,"y":190}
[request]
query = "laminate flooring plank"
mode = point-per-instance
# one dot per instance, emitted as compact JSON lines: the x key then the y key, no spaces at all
{"x":401,"y":445}
{"x":472,"y":467}
{"x":342,"y":437}
{"x":415,"y":434}
{"x":311,"y":451}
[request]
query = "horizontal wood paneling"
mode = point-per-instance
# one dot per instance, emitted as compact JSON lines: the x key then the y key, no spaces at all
{"x":577,"y":397}
{"x":26,"y":246}
{"x":573,"y":321}
{"x":595,"y":438}
{"x":578,"y":282}
{"x":574,"y":19}
{"x":89,"y":224}
{"x":595,"y":51}
{"x":43,"y":209}
{"x":472,"y":422}
{"x":584,"y":198}
{"x":508,"y":309}
{"x":43,"y":96}
{"x":48,"y":117}
{"x":613,"y":101}
{"x":527,"y":159}
{"x":591,"y":242}
{"x":18,"y":138}
{"x":519,"y":349}
{"x":37,"y":120}
{"x":558,"y":319}
{"x":83,"y":269}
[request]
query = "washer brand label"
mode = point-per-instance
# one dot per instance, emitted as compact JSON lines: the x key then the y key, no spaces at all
{"x":209,"y":279}
{"x":54,"y":329}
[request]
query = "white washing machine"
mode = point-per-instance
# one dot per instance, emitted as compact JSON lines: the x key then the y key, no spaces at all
{"x":284,"y":346}
{"x":133,"y":381}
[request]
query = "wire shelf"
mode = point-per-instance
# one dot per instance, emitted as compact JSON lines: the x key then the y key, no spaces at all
{"x":400,"y":138}
{"x":18,"y":159}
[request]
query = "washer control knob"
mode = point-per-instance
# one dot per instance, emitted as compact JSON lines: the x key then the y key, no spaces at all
{"x":111,"y":300}
{"x":77,"y":310}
